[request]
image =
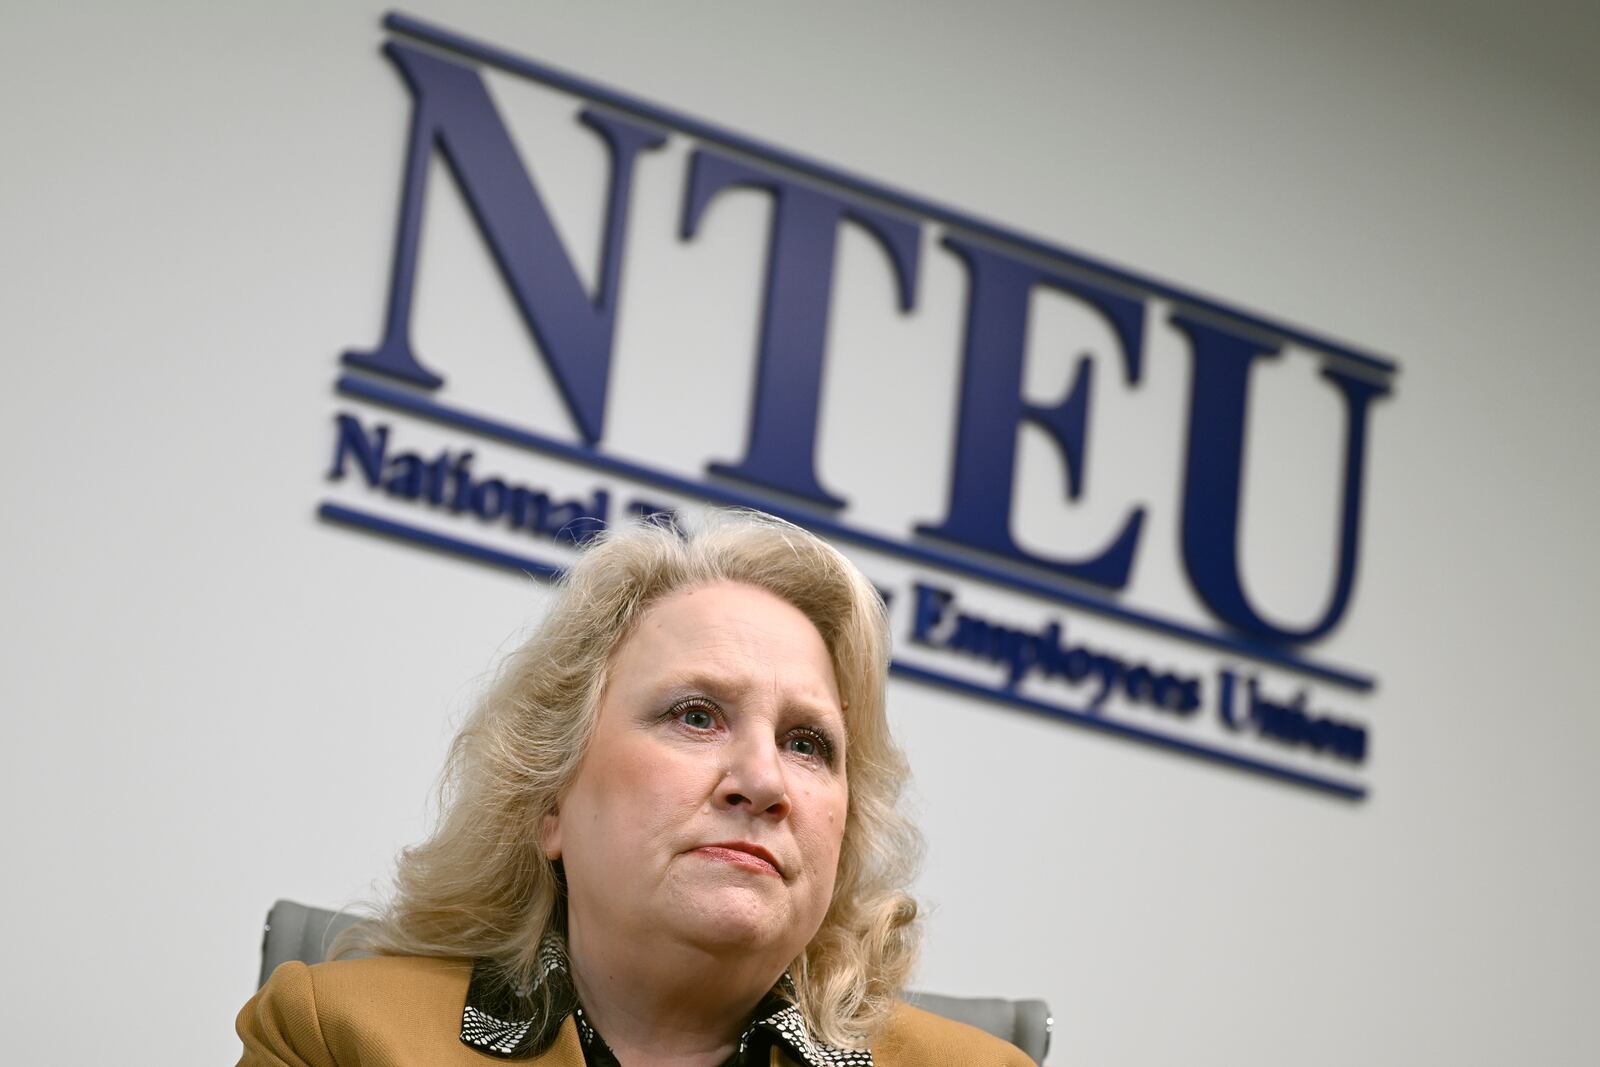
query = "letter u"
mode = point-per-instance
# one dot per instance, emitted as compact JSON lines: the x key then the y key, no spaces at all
{"x":1215,"y":465}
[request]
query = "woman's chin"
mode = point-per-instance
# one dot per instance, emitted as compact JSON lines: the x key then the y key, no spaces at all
{"x":737,"y":917}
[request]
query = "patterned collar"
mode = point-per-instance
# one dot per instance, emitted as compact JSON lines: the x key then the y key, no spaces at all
{"x":492,"y":1020}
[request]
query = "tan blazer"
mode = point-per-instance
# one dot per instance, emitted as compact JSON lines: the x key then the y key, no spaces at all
{"x":405,"y":1011}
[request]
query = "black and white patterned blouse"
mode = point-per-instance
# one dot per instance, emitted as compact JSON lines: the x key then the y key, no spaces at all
{"x":492,"y":1021}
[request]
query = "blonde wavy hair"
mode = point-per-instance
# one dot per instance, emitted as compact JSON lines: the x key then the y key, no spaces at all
{"x":481,"y":885}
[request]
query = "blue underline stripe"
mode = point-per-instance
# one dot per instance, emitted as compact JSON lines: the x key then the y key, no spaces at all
{"x":1188,"y":748}
{"x":388,"y":396}
{"x":455,"y":546}
{"x":509,"y":61}
{"x":361,"y":520}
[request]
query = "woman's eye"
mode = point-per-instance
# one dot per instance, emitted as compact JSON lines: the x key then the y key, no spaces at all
{"x":809,"y":744}
{"x":696,"y":715}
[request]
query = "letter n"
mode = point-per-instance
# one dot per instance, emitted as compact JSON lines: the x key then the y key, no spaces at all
{"x":453,"y":112}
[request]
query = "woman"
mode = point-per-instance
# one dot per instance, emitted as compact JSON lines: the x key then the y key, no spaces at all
{"x":670,"y":837}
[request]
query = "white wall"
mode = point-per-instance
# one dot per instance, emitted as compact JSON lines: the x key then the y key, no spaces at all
{"x":211,"y":700}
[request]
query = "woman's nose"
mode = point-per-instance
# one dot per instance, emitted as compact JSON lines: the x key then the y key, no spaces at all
{"x":754,"y":779}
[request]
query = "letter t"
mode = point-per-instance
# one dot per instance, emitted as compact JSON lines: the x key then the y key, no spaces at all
{"x":781,"y":453}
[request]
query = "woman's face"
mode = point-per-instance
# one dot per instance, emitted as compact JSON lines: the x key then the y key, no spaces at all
{"x":711,"y":804}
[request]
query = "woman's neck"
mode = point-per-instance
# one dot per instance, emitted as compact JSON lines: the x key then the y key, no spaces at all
{"x":676,"y":1006}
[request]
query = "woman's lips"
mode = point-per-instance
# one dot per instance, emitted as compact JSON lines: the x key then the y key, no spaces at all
{"x":742,"y":854}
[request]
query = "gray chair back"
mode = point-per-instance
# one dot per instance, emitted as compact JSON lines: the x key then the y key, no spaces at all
{"x":296,"y":932}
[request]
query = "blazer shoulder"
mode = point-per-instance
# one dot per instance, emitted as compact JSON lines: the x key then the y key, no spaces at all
{"x":373,"y":980}
{"x":917,"y":1038}
{"x":357,"y":1011}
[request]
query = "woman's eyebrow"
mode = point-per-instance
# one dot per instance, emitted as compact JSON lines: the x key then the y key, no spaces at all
{"x":709,"y":683}
{"x":730,"y":687}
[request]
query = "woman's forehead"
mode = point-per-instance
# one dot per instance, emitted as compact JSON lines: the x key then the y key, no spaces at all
{"x":729,"y":637}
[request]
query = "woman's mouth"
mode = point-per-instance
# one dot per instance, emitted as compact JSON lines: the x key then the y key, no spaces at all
{"x":742,"y":854}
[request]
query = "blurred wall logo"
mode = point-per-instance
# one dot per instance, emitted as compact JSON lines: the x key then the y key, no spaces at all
{"x":1235,"y":690}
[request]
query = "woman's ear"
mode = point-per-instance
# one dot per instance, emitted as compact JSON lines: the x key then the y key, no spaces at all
{"x":550,"y":835}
